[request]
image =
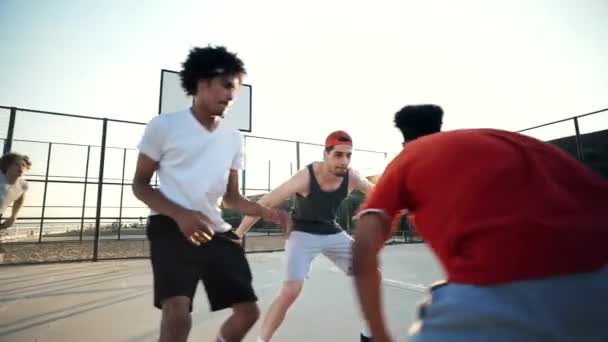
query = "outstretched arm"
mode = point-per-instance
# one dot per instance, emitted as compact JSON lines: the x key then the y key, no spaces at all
{"x":143,"y":191}
{"x":297,"y":183}
{"x":234,"y":200}
{"x":359,"y":182}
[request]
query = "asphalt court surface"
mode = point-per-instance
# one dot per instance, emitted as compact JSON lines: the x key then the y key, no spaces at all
{"x":112,"y":300}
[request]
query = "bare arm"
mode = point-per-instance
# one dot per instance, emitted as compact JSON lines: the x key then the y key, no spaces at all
{"x":17,"y":205}
{"x":369,"y":240}
{"x":153,"y":198}
{"x":359,"y":182}
{"x":234,"y":200}
{"x":193,"y":224}
{"x":373,"y":228}
{"x":295,"y":184}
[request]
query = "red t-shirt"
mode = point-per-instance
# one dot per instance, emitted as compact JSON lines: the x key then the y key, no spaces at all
{"x":498,"y":206}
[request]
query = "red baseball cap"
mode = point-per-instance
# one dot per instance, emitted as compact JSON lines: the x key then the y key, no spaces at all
{"x":338,"y":138}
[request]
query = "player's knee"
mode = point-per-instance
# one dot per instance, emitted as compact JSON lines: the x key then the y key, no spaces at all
{"x":247,"y":313}
{"x":291,"y":290}
{"x":176,"y":314}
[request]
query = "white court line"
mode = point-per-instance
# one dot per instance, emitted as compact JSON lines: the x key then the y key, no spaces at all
{"x":420,"y":288}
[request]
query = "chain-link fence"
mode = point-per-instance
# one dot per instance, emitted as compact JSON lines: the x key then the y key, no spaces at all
{"x":80,"y":205}
{"x":584,"y":136}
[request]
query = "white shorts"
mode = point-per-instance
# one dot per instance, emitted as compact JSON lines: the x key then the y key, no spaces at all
{"x":302,"y":248}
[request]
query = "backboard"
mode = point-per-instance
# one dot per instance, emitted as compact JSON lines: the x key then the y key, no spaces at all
{"x":173,"y":98}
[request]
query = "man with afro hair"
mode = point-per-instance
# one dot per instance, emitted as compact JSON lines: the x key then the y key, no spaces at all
{"x":197,"y":157}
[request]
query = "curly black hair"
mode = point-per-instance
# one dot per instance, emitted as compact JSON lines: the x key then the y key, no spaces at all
{"x":415,"y":121}
{"x":207,"y":63}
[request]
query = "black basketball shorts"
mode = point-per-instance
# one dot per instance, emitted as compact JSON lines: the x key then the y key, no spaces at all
{"x":178,"y":266}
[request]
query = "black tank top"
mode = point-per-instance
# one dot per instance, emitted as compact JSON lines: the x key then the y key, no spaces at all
{"x":316,"y":213}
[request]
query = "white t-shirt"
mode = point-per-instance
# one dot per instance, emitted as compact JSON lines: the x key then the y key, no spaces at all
{"x":9,"y":193}
{"x":194,"y":163}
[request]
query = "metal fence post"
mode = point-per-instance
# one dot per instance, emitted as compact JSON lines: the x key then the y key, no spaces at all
{"x":46,"y":183}
{"x":577,"y":138}
{"x":243,"y":185}
{"x":244,"y":171}
{"x":298,"y":155}
{"x":84,"y":195}
{"x":102,"y":159}
{"x":122,"y":189}
{"x":8,"y":143}
{"x":269,"y":176}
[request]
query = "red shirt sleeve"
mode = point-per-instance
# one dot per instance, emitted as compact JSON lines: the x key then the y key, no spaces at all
{"x":389,"y":196}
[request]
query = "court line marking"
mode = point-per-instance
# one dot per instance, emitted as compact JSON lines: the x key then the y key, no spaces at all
{"x":419,"y":288}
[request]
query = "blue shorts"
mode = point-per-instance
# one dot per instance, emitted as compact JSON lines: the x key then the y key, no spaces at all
{"x":565,"y":308}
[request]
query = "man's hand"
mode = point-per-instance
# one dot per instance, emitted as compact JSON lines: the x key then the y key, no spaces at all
{"x":7,"y":223}
{"x":239,"y":241}
{"x":238,"y":237}
{"x":195,"y":226}
{"x":278,"y":217}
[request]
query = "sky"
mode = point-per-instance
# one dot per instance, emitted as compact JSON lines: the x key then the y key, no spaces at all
{"x":314,"y":66}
